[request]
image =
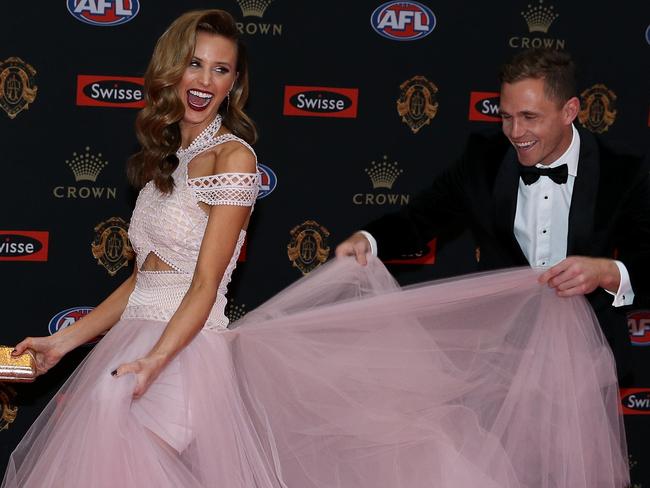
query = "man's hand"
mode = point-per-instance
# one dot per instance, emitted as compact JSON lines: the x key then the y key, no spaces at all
{"x":580,"y":275}
{"x":356,"y":245}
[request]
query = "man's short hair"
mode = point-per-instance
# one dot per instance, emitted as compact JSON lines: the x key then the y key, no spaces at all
{"x":556,"y":68}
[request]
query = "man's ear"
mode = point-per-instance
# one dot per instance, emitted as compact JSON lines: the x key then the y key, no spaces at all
{"x":571,"y":109}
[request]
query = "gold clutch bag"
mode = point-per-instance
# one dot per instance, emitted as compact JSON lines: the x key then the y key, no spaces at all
{"x":20,"y":369}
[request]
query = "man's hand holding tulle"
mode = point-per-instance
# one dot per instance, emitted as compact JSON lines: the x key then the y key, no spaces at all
{"x":356,"y":245}
{"x":580,"y":275}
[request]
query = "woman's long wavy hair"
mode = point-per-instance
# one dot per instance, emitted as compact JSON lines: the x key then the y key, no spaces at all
{"x":157,"y":124}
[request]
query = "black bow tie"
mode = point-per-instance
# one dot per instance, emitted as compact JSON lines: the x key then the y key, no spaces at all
{"x":530,"y":174}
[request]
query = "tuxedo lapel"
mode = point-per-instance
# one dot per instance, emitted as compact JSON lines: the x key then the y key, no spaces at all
{"x":506,"y":186}
{"x":583,"y":198}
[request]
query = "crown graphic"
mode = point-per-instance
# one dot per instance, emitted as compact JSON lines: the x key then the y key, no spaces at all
{"x":253,"y":8}
{"x":383,"y":174}
{"x":539,"y":18}
{"x":86,"y":166}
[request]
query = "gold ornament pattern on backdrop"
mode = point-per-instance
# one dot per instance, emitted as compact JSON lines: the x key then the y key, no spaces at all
{"x":17,"y":86}
{"x":417,"y":103}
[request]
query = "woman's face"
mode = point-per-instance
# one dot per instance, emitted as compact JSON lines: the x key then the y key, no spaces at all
{"x":207,"y":80}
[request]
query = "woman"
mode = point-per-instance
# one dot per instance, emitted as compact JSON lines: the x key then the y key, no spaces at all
{"x":199,"y":182}
{"x":342,"y":380}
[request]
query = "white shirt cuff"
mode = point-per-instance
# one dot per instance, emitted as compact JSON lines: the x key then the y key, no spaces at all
{"x":625,"y":294}
{"x":372,"y":241}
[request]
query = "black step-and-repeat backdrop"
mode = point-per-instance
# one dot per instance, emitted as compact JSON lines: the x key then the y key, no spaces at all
{"x":359,"y":104}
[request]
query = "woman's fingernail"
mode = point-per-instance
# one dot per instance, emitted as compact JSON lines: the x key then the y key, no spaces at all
{"x":114,"y":372}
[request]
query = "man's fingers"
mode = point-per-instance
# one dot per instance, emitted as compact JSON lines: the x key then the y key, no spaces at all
{"x":357,"y":246}
{"x":569,"y":283}
{"x":360,"y":254}
{"x":347,"y":248}
{"x":572,"y":291}
{"x":557,"y":274}
{"x":344,"y":249}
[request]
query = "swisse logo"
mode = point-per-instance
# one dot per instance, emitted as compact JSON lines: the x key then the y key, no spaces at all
{"x":22,"y":245}
{"x":318,"y":101}
{"x":110,"y":91}
{"x":65,"y":318}
{"x":639,"y":326}
{"x":635,"y":401}
{"x":484,"y":106}
{"x":104,"y":13}
{"x":403,"y":21}
{"x":268,"y":183}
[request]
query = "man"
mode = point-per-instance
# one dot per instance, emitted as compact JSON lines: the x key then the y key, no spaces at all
{"x":543,"y":192}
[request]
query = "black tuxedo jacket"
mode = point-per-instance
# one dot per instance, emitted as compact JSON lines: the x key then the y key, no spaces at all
{"x":609,"y":217}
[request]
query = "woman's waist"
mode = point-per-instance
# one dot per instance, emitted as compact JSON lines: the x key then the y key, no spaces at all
{"x":158,"y":294}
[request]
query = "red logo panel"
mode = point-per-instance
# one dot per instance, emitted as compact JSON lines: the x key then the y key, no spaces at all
{"x":320,"y":101}
{"x":484,"y":106}
{"x":110,"y":91}
{"x":635,"y":401}
{"x":23,"y":245}
{"x":428,"y":258}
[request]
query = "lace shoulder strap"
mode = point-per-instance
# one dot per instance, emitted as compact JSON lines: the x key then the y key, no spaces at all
{"x":239,"y":189}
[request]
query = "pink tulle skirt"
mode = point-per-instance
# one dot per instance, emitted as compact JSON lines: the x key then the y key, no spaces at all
{"x":344,"y":380}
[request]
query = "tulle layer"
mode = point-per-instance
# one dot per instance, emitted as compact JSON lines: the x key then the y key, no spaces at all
{"x":344,"y":380}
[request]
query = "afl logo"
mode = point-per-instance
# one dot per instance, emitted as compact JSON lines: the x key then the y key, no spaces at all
{"x":67,"y":317}
{"x":268,"y":181}
{"x":403,"y":21}
{"x":104,"y":12}
{"x":639,"y":326}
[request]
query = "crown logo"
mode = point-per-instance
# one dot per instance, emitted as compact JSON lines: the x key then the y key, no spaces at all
{"x":539,"y":18}
{"x":253,"y":8}
{"x":86,"y":166}
{"x":234,"y":312}
{"x":383,"y":174}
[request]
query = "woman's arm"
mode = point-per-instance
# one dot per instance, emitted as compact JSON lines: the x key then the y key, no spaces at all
{"x":49,"y":350}
{"x":225,"y":223}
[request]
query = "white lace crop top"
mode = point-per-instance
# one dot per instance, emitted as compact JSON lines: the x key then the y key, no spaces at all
{"x":172,"y":226}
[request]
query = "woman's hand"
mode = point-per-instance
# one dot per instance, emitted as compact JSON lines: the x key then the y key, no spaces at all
{"x":46,"y":352}
{"x":146,"y":370}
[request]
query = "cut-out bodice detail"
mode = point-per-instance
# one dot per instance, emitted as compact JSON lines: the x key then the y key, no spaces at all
{"x":171,"y":226}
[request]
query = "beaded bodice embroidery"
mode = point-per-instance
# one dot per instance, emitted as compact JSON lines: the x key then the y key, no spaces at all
{"x":172,"y":226}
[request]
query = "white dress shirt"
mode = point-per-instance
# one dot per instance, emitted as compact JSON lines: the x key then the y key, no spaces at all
{"x":542,"y":219}
{"x":541,"y":224}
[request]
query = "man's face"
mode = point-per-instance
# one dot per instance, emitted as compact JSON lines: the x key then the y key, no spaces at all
{"x":538,"y":127}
